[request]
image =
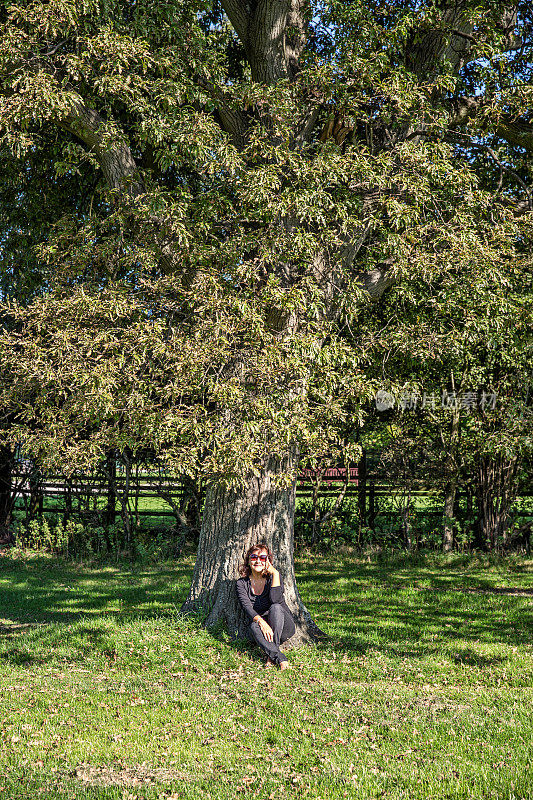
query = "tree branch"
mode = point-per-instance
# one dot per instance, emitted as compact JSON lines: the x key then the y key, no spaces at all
{"x":307,"y":124}
{"x":518,"y":133}
{"x":233,"y":120}
{"x":273,"y":34}
{"x":508,"y":170}
{"x":377,"y":281}
{"x":238,"y":13}
{"x":115,"y":157}
{"x":463,"y":35}
{"x":429,"y":46}
{"x":121,"y":174}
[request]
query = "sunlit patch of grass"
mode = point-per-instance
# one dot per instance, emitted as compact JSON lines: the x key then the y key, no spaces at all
{"x":423,"y":690}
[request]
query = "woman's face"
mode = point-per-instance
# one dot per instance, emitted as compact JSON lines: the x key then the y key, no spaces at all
{"x":258,"y":560}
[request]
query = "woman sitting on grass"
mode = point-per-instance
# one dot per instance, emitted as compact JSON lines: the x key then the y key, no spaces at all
{"x":260,"y":592}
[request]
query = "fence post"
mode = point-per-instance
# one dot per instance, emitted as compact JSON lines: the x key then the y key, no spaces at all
{"x":67,"y":501}
{"x":372,"y":506}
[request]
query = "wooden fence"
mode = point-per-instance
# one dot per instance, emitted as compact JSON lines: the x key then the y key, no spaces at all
{"x":87,"y":494}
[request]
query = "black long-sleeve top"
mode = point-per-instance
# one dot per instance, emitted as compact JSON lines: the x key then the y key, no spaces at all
{"x":260,"y":604}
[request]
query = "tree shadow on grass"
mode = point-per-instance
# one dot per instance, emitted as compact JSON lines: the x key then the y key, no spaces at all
{"x":81,"y":641}
{"x":381,"y":607}
{"x":19,"y":657}
{"x":40,"y":591}
{"x":472,"y":658}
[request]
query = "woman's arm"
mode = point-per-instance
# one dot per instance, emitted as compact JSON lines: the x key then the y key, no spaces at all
{"x":276,"y":587}
{"x":245,"y":601}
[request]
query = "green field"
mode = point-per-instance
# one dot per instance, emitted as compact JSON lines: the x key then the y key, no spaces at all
{"x":387,"y":498}
{"x":424,"y":689}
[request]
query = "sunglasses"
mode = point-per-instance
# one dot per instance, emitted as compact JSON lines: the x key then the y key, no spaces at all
{"x":258,"y":558}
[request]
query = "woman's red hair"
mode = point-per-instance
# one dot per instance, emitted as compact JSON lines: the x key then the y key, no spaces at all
{"x":244,"y":569}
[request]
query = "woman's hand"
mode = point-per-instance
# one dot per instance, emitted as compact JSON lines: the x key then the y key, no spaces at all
{"x":269,"y":569}
{"x":267,"y":631}
{"x":273,"y":572}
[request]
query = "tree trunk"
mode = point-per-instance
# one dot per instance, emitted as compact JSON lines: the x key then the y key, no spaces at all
{"x":407,"y":528}
{"x":361,"y":490}
{"x":496,"y":490}
{"x":6,"y":487}
{"x":67,"y":500}
{"x":36,"y":493}
{"x":449,"y":518}
{"x":317,"y":483}
{"x":372,"y":507}
{"x":451,"y":466}
{"x":234,"y":520}
{"x":111,"y":477}
{"x":470,"y":520}
{"x":7,"y":495}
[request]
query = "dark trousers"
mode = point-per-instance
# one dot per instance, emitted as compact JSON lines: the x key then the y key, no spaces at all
{"x":283,"y":627}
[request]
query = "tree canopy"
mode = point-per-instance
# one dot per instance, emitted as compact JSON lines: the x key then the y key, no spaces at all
{"x":217,"y":195}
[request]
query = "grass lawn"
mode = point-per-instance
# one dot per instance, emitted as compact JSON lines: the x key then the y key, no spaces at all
{"x":424,"y":690}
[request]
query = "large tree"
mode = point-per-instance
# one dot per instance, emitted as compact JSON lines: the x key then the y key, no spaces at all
{"x":266,"y":170}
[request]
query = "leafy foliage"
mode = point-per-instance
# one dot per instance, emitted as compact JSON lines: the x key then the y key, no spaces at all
{"x":216,"y":303}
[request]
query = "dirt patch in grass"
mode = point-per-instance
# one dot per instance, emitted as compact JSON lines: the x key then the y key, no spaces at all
{"x":437,"y":703}
{"x":125,"y":776}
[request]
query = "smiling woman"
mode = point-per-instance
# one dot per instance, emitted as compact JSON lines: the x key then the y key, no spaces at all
{"x":260,"y":591}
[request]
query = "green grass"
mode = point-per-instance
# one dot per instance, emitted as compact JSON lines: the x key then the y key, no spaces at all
{"x":424,"y":689}
{"x":57,"y":502}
